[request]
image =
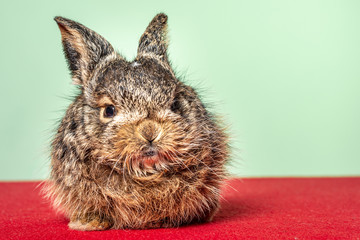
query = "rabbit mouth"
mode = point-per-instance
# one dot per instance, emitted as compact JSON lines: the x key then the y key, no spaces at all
{"x":149,"y":158}
{"x":150,"y":161}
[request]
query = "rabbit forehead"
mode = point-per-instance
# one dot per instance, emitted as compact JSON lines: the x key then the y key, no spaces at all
{"x":139,"y":82}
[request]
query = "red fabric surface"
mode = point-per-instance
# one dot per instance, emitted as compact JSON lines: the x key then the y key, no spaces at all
{"x":280,"y":208}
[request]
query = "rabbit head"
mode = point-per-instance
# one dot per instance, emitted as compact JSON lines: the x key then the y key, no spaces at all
{"x":135,"y":116}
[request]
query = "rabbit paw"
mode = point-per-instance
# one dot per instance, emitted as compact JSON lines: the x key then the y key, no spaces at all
{"x":86,"y":224}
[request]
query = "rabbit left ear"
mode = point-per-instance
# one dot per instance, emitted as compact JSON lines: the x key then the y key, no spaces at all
{"x":153,"y":42}
{"x":83,"y":49}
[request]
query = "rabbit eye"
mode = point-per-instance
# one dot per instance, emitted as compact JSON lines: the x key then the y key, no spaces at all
{"x":109,"y":111}
{"x":175,"y":106}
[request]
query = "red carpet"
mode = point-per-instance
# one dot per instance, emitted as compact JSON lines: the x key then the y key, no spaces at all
{"x":281,"y":208}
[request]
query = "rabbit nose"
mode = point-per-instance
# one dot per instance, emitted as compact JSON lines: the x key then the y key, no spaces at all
{"x":149,"y":136}
{"x":149,"y":130}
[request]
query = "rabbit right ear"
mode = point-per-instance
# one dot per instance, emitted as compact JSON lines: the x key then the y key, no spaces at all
{"x":83,"y":49}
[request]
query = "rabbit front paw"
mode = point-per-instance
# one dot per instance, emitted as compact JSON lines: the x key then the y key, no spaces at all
{"x":93,"y":223}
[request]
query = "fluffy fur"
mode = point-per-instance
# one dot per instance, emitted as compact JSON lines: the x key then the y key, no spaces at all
{"x":158,"y":162}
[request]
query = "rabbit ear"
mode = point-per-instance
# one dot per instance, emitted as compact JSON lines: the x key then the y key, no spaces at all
{"x":153,"y":42}
{"x":83,"y":49}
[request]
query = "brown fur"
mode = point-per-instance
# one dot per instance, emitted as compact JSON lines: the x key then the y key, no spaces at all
{"x":158,"y":162}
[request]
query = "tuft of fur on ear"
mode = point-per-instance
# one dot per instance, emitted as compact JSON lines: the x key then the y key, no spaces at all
{"x":83,"y":49}
{"x":153,"y":42}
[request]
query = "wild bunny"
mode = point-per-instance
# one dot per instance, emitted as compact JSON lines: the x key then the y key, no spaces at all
{"x":137,"y":148}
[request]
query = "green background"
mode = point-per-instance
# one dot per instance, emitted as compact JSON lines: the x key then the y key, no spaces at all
{"x":284,"y":75}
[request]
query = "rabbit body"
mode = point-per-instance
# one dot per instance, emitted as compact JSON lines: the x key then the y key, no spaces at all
{"x":136,"y":149}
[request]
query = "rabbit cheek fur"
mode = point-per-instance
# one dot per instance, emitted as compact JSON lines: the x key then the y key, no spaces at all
{"x":157,"y":162}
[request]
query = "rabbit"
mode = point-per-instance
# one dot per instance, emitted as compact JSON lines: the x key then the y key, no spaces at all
{"x":136,"y":149}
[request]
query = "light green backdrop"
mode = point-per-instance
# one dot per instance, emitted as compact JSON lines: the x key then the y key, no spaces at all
{"x":284,"y":74}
